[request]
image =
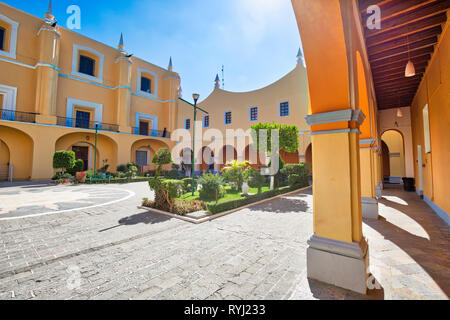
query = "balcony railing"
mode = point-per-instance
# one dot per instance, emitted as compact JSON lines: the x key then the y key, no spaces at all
{"x":82,"y":124}
{"x":151,"y":133}
{"x":12,"y":115}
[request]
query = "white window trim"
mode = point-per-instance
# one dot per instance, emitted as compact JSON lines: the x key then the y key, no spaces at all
{"x":101,"y":57}
{"x":71,"y":103}
{"x":148,"y":155}
{"x":155,"y":85}
{"x":10,"y":97}
{"x":13,"y":38}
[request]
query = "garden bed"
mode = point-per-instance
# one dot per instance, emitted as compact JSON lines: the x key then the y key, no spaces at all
{"x":226,"y":207}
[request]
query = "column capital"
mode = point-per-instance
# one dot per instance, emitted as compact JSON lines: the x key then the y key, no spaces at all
{"x":347,"y":115}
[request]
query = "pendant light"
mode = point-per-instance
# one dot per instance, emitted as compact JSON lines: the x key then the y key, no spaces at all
{"x":399,"y":113}
{"x":410,"y":70}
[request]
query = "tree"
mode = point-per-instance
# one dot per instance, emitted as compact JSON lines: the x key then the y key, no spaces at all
{"x":161,"y":158}
{"x":288,"y":136}
{"x":64,"y":160}
{"x":233,"y":173}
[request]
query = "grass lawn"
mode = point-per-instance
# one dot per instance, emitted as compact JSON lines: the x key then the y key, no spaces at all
{"x":231,"y":195}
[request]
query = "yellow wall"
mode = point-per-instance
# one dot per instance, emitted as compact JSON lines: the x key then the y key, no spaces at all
{"x":434,"y":91}
{"x":4,"y":154}
{"x":20,"y":147}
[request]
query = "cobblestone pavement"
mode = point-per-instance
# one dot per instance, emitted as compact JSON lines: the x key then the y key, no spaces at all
{"x":118,"y":251}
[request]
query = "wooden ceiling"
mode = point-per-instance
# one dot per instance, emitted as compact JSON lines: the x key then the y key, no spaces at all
{"x":417,"y":22}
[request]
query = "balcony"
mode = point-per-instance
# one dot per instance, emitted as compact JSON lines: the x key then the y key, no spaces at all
{"x":82,"y":124}
{"x":12,"y":115}
{"x":151,"y":133}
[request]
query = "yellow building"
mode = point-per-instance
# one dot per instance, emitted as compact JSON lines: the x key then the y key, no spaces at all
{"x":56,"y":86}
{"x":233,"y":113}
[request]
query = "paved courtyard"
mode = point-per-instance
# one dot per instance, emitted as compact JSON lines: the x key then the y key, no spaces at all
{"x":90,"y":247}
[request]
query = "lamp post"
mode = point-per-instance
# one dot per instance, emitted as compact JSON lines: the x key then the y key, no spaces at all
{"x":95,"y":149}
{"x":196,"y":96}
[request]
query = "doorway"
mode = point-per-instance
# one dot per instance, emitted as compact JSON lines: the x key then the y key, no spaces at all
{"x":83,"y":154}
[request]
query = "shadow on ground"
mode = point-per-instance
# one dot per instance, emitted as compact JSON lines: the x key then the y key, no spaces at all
{"x":140,"y":218}
{"x":324,"y":291}
{"x":294,"y":203}
{"x":432,"y":255}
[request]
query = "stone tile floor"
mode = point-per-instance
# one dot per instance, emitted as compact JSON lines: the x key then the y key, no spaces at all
{"x":118,"y":251}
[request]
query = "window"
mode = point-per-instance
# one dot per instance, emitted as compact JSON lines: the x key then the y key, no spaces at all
{"x":206,"y":122}
{"x":146,"y":85}
{"x":426,"y":129}
{"x":228,"y":117}
{"x":187,"y":124}
{"x":141,"y":158}
{"x":2,"y":38}
{"x":143,"y":128}
{"x":284,"y":109}
{"x":87,"y":66}
{"x":253,"y":116}
{"x":82,"y":119}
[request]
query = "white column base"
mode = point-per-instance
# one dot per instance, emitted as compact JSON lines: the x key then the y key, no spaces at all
{"x":342,"y":264}
{"x":369,"y":208}
{"x":379,"y":191}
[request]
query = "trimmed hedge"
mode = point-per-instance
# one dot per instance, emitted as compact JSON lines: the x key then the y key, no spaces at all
{"x":234,"y":204}
{"x":116,"y":180}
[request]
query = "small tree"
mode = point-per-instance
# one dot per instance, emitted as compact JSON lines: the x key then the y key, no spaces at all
{"x":64,"y":160}
{"x":233,"y":173}
{"x":161,"y":158}
{"x":212,"y":187}
{"x":254,"y":178}
{"x":166,"y":191}
{"x":77,"y":167}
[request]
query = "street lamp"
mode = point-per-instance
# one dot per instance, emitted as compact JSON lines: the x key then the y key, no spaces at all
{"x":95,"y":150}
{"x":196,"y":96}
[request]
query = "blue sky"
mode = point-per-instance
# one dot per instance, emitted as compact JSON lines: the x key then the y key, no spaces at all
{"x":256,"y":40}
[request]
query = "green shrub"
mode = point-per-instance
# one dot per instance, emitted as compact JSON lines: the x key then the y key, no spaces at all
{"x":187,"y":185}
{"x":183,"y":207}
{"x":297,"y":175}
{"x":212,"y":187}
{"x":77,"y":167}
{"x":162,"y":157}
{"x":233,"y":173}
{"x":122,"y":168}
{"x":132,"y":172}
{"x":166,"y":191}
{"x":172,"y":174}
{"x":254,"y":178}
{"x":64,"y":160}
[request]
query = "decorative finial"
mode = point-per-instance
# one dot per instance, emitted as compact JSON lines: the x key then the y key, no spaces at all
{"x":300,"y":57}
{"x":180,"y":92}
{"x":49,"y":17}
{"x":121,"y":46}
{"x":217,"y":81}
{"x":170,"y":68}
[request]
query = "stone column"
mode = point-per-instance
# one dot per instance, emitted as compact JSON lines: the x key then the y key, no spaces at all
{"x":123,"y":108}
{"x":337,"y":252}
{"x":368,"y":179}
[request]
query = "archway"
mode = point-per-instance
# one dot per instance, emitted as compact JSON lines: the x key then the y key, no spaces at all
{"x":20,"y":157}
{"x":207,"y":157}
{"x":83,"y":144}
{"x":253,"y":157}
{"x":4,"y":161}
{"x":228,"y":154}
{"x":289,"y":157}
{"x":308,"y":158}
{"x":142,"y":153}
{"x":386,"y":164}
{"x":396,"y":155}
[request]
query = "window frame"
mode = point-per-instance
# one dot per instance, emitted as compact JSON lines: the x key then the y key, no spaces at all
{"x":147,"y":157}
{"x":288,"y":108}
{"x":225,"y":118}
{"x":13,"y":31}
{"x":186,"y":121}
{"x":153,"y":83}
{"x":149,"y":85}
{"x":250,"y":109}
{"x":75,"y":61}
{"x":87,"y":59}
{"x":204,"y":121}
{"x":2,"y":38}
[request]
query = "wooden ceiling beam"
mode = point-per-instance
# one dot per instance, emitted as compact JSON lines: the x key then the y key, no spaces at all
{"x":428,"y":9}
{"x":403,"y":58}
{"x":400,"y":83}
{"x":396,"y":77}
{"x":364,"y":4}
{"x":397,"y":8}
{"x":380,"y":74}
{"x":405,"y":49}
{"x":404,"y":40}
{"x":407,"y":29}
{"x":401,"y":63}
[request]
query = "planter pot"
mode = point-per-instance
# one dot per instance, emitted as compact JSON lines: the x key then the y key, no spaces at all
{"x":409,"y":184}
{"x":81,"y":177}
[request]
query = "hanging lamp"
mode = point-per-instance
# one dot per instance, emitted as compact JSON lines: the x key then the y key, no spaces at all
{"x":410,"y":69}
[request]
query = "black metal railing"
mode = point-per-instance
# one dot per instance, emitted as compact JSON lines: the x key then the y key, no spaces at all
{"x":82,"y":124}
{"x":12,"y":115}
{"x":151,"y":133}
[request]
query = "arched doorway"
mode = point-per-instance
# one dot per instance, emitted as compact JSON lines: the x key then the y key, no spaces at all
{"x":142,"y":153}
{"x":229,"y":154}
{"x":308,"y":158}
{"x":185,"y":161}
{"x":4,"y":161}
{"x":207,"y":156}
{"x":83,"y":144}
{"x":253,"y":157}
{"x":393,"y":156}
